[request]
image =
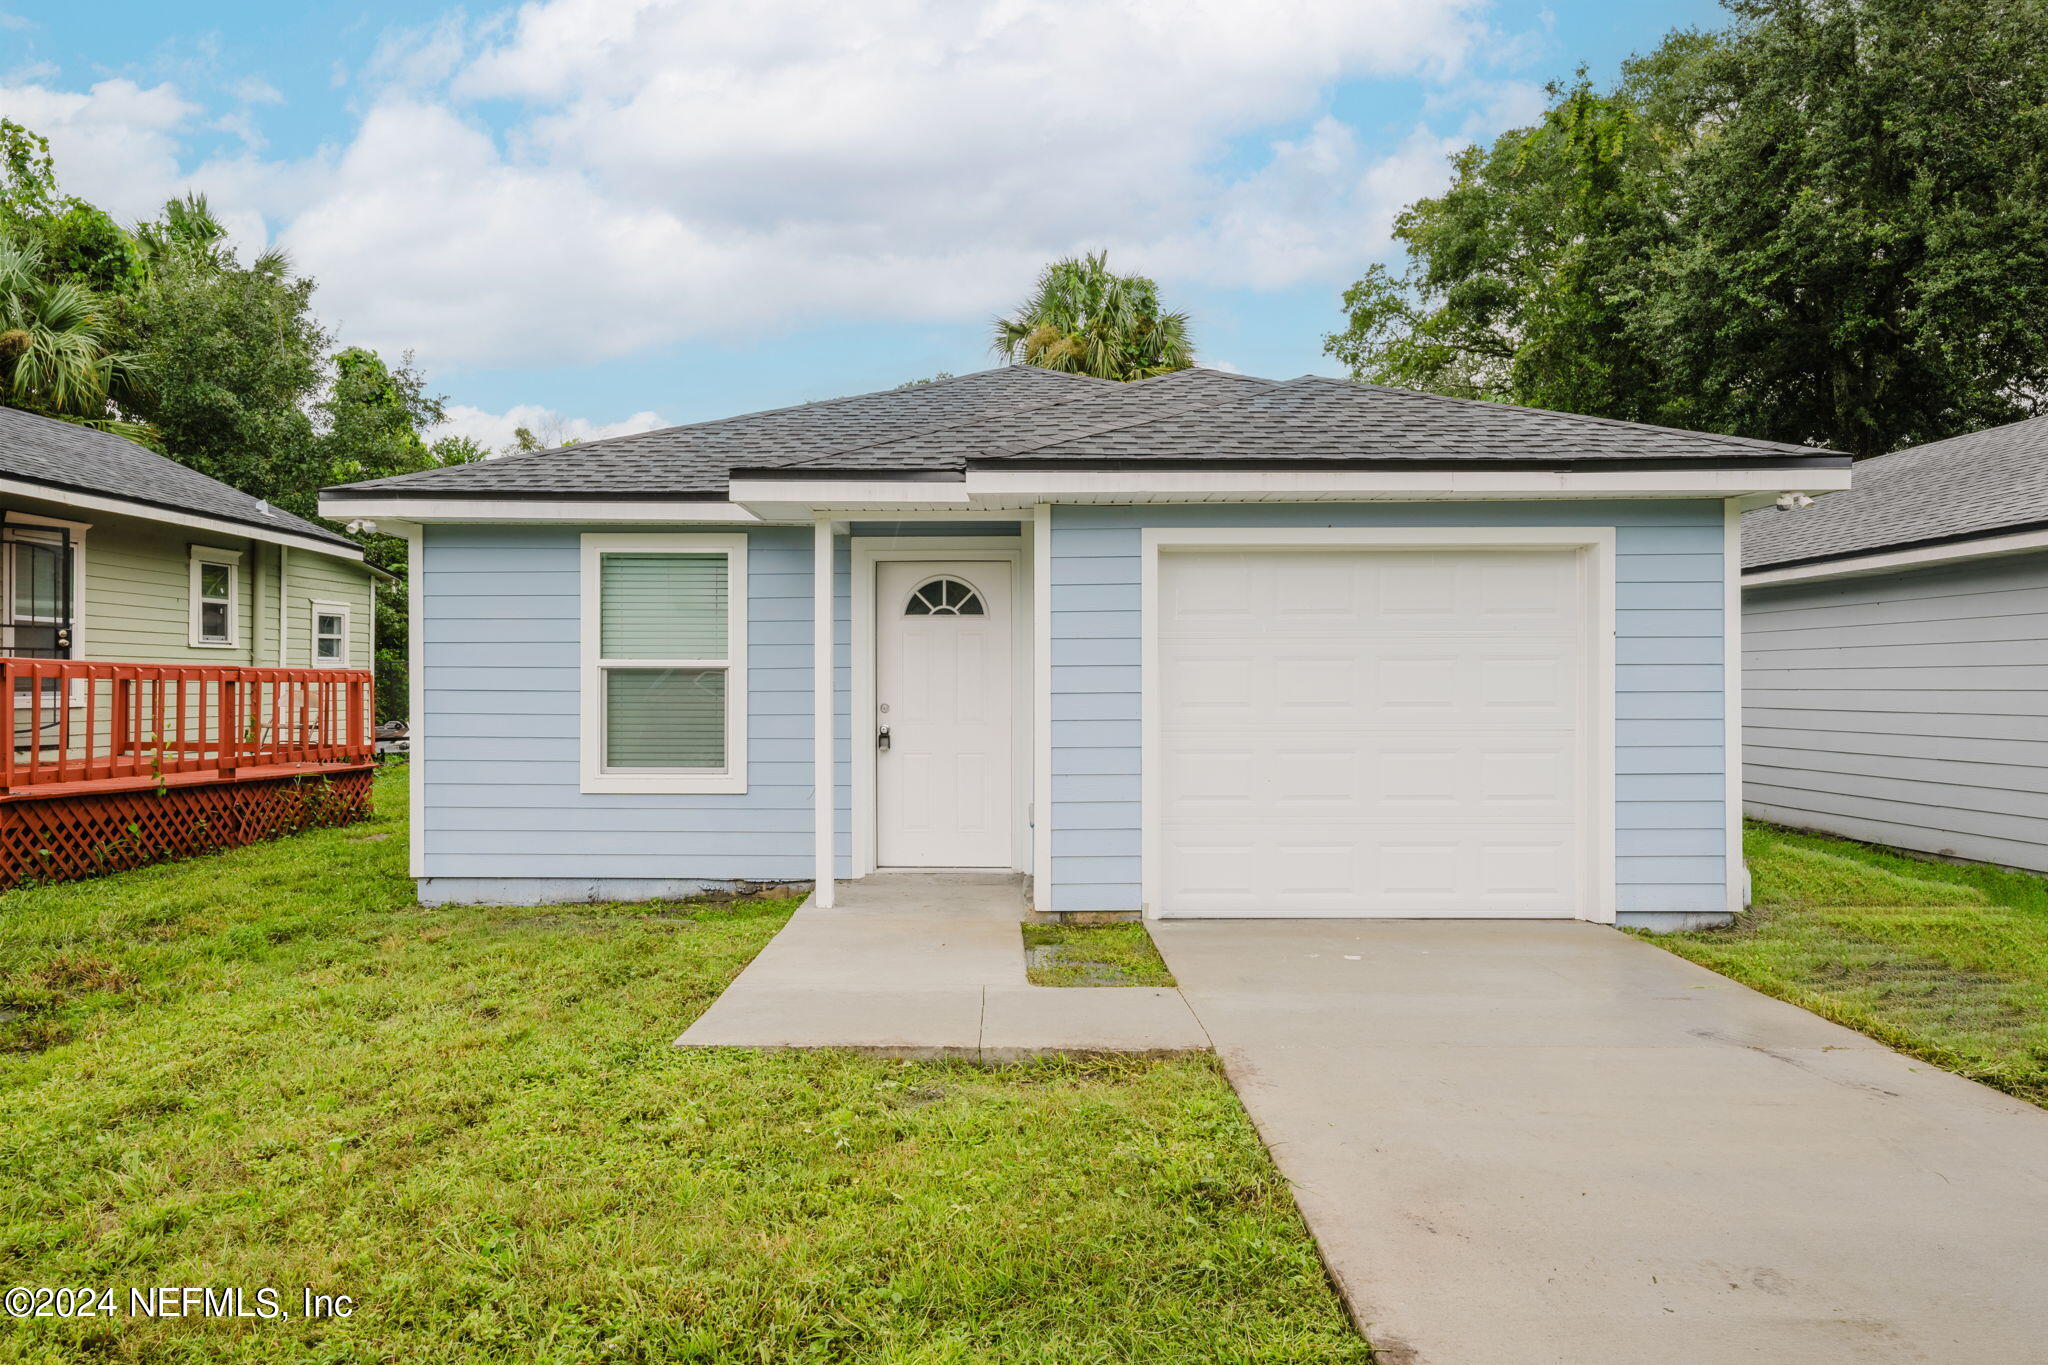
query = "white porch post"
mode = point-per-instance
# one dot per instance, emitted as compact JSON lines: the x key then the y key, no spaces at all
{"x":1041,"y":707}
{"x":824,"y":775}
{"x":1731,"y":698}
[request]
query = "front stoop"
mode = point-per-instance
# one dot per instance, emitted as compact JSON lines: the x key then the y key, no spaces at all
{"x":931,"y":965}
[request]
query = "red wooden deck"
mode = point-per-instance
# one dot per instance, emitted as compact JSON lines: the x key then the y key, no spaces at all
{"x":110,"y":765}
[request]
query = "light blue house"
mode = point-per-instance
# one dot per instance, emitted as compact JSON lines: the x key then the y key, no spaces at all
{"x":1201,"y":645}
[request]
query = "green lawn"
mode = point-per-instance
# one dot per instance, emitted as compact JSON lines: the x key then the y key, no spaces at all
{"x":1094,"y":955}
{"x":271,"y":1068}
{"x":1949,"y":963}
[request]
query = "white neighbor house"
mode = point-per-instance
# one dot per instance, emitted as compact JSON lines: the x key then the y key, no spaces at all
{"x":1897,"y":660}
{"x":1200,"y":645}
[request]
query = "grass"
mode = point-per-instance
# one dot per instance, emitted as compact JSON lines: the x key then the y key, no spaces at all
{"x":1093,"y":955}
{"x":271,"y":1068}
{"x":1947,"y":962}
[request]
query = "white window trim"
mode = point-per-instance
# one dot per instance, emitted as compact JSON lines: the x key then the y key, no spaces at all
{"x":211,"y":554}
{"x":1595,"y":547}
{"x":733,"y":780}
{"x":317,"y":609}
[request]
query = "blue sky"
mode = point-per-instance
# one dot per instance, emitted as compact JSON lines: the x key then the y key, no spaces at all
{"x":596,"y":215}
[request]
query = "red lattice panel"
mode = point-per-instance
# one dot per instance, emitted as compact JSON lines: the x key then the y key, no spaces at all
{"x":66,"y":837}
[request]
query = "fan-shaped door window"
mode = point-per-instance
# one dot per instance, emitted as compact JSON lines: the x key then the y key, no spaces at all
{"x":945,"y":597}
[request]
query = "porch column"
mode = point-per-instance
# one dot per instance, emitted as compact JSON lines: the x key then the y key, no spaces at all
{"x":824,"y":773}
{"x":1041,"y":707}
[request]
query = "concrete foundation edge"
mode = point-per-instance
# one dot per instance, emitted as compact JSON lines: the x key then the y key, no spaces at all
{"x":577,"y":890}
{"x":1673,"y":921}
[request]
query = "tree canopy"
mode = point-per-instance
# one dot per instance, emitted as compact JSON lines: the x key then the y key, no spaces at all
{"x":160,"y":332}
{"x":1084,"y":318}
{"x":1825,"y":224}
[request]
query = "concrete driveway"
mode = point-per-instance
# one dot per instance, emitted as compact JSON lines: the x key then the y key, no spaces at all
{"x":1521,"y":1143}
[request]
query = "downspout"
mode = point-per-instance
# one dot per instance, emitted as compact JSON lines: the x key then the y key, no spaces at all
{"x":283,"y":579}
{"x":1735,"y":871}
{"x":256,"y":581}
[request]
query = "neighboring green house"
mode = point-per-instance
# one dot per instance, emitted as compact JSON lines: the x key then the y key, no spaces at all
{"x":112,"y":553}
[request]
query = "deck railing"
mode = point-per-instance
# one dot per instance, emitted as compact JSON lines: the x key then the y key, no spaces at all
{"x":75,"y":727}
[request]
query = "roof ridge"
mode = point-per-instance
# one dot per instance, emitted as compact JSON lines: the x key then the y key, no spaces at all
{"x":1959,"y":436}
{"x":1127,"y":386}
{"x":1268,"y":385}
{"x":1721,"y":437}
{"x":1145,"y":419}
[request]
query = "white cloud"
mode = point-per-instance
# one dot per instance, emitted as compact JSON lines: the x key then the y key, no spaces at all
{"x":693,"y":171}
{"x":661,"y":171}
{"x":496,"y":430}
{"x":256,"y":90}
{"x":116,"y":144}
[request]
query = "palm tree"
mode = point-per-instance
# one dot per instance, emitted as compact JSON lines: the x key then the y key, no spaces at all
{"x":1083,"y":318}
{"x":54,"y":353}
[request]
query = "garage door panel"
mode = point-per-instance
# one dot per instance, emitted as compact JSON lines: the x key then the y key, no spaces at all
{"x":1370,"y":732}
{"x":1476,"y":680}
{"x":1535,"y":589}
{"x":1339,"y":869}
{"x":1210,"y":594}
{"x":1320,"y":774}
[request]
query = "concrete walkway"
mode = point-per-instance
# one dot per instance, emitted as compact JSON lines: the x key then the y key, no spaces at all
{"x":930,"y":965}
{"x":1523,"y":1143}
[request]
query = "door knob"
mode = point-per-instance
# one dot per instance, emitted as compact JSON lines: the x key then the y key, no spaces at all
{"x":882,"y":739}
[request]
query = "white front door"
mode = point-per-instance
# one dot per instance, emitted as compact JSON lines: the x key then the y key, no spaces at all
{"x":942,"y":698}
{"x":1362,"y":732}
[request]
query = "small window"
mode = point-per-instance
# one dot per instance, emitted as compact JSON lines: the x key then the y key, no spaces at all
{"x":664,"y":640}
{"x":330,"y":635}
{"x":216,"y":598}
{"x":944,"y":597}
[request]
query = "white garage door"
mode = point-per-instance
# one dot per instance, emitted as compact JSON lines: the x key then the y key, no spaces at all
{"x":1370,"y":732}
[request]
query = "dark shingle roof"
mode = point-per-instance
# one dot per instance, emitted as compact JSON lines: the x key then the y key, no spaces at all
{"x":61,"y":455}
{"x":1967,"y":486}
{"x":696,"y":459}
{"x":1020,"y":413}
{"x":1314,"y":419}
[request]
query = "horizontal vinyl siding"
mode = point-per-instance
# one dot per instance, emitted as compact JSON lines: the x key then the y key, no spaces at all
{"x":1908,"y":709}
{"x":500,"y":745}
{"x":1670,"y":701}
{"x":311,"y":578}
{"x":138,"y":594}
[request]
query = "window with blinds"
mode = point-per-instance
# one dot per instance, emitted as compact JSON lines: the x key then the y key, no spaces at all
{"x":666,"y":623}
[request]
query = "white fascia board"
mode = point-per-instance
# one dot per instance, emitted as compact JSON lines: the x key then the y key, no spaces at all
{"x":568,"y":511}
{"x":96,"y":502}
{"x":809,"y":497}
{"x":990,"y":491}
{"x":1929,"y":556}
{"x":1024,"y":487}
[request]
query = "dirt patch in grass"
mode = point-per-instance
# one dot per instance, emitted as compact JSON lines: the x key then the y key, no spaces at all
{"x":1947,"y":962}
{"x":76,"y":973}
{"x":1093,"y":955}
